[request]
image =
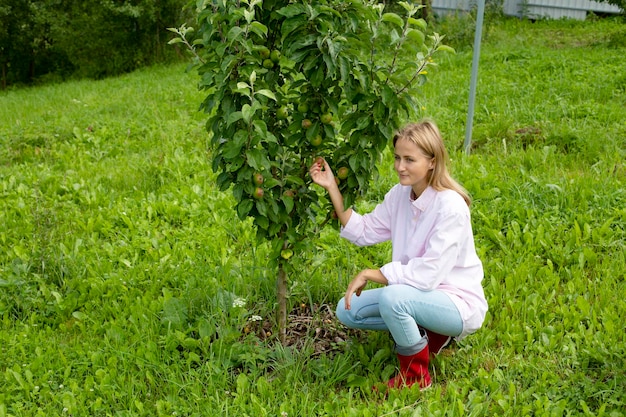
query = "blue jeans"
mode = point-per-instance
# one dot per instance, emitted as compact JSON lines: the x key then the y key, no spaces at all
{"x":400,"y":309}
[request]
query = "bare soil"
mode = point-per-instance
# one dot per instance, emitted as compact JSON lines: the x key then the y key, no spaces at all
{"x":313,"y":326}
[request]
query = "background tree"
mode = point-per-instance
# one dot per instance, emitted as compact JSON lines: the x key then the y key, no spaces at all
{"x":16,"y":33}
{"x":288,"y":82}
{"x":107,"y":38}
{"x":83,"y":38}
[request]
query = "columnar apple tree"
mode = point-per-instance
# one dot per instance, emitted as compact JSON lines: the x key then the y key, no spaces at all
{"x":287,"y":81}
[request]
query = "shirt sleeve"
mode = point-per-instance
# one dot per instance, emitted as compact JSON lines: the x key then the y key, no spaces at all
{"x":440,"y":257}
{"x":371,"y":228}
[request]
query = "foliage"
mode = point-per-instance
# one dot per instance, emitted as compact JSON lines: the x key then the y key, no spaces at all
{"x":60,"y":38}
{"x":123,"y":269}
{"x":16,"y":33}
{"x":280,"y":76}
{"x":287,"y":82}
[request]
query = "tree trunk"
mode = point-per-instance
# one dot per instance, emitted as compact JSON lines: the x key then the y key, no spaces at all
{"x":281,"y":298}
{"x":427,"y":11}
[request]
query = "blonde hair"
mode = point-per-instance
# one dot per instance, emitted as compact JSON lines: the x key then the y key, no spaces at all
{"x":426,"y":136}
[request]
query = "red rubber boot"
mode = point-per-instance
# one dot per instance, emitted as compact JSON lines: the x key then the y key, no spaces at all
{"x":413,"y":370}
{"x":437,"y":342}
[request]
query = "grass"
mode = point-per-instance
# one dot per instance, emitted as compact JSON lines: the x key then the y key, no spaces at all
{"x":127,"y":281}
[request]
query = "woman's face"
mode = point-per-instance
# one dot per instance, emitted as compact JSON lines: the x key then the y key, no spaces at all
{"x":412,"y":165}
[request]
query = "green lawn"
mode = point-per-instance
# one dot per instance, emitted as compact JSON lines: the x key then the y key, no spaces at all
{"x":128,"y":284}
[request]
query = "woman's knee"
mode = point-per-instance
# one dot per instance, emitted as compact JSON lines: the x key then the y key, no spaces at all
{"x":343,"y":315}
{"x":390,"y":297}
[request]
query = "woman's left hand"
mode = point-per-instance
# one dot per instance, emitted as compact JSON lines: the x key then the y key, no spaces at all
{"x":359,"y":282}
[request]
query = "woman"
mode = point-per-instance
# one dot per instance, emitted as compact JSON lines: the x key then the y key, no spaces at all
{"x":432,"y":287}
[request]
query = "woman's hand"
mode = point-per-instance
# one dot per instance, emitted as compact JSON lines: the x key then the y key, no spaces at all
{"x":359,"y":282}
{"x":322,"y":175}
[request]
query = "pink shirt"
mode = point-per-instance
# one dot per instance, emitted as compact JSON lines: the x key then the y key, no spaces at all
{"x":433,"y":246}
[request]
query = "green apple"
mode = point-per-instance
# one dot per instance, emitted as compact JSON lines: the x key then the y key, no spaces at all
{"x":343,"y":172}
{"x":282,"y":112}
{"x":275,"y":56}
{"x":303,"y":107}
{"x":258,"y":178}
{"x":327,"y":118}
{"x":316,"y":140}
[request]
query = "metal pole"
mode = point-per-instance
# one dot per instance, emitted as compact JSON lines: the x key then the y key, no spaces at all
{"x":474,"y":75}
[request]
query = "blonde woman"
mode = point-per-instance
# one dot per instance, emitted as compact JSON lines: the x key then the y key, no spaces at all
{"x":432,"y":289}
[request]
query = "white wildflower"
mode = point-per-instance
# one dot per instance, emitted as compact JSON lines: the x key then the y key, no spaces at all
{"x":239,"y":302}
{"x":255,"y":318}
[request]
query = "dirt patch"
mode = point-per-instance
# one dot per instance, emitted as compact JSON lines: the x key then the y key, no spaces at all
{"x":312,"y":326}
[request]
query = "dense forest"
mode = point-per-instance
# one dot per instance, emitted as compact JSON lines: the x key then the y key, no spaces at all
{"x":53,"y":40}
{"x":45,"y":40}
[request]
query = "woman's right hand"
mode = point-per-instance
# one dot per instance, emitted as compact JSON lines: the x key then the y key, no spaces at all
{"x":321,"y":174}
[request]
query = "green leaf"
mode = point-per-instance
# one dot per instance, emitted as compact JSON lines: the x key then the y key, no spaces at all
{"x":380,"y":109}
{"x":270,"y":182}
{"x":238,"y":191}
{"x":292,"y":179}
{"x":344,"y":69}
{"x":232,"y":148}
{"x":256,"y":159}
{"x":362,"y":122}
{"x":258,"y":28}
{"x":243,"y":208}
{"x":386,"y":130}
{"x":267,"y":93}
{"x":333,"y":49}
{"x":247,"y":112}
{"x":261,"y":207}
{"x":302,"y":42}
{"x":79,"y":315}
{"x":234,"y":33}
{"x":446,"y":48}
{"x":277,"y":246}
{"x":354,"y":162}
{"x":416,"y":36}
{"x":288,"y":202}
{"x":318,"y":76}
{"x":388,"y":96}
{"x":262,"y":222}
{"x":233,"y":117}
{"x":313,"y":130}
{"x":236,"y":163}
{"x":261,"y":130}
{"x":292,"y":10}
{"x":223,"y":181}
{"x":274,"y":211}
{"x":421,"y":23}
{"x":394,"y":19}
{"x":206,"y":328}
{"x":292,"y":25}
